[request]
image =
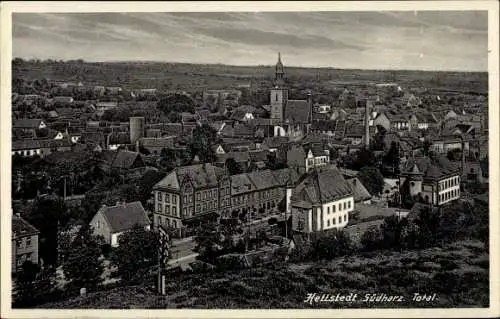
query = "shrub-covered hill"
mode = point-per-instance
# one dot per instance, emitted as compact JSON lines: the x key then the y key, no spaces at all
{"x":457,"y":273}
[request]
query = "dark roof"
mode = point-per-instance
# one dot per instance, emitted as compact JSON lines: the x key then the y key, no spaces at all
{"x":25,"y":145}
{"x":126,"y":159}
{"x":431,"y":168}
{"x":21,"y":227}
{"x":296,"y":111}
{"x":359,"y":190}
{"x":239,"y":157}
{"x":157,"y":141}
{"x":321,"y":187}
{"x":27,"y":123}
{"x":316,"y":149}
{"x":119,"y":138}
{"x":324,"y":125}
{"x":275,"y":141}
{"x":123,"y":217}
{"x":201,"y":175}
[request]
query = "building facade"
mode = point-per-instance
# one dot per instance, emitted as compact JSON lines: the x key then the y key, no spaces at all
{"x":24,"y":243}
{"x":322,"y":201}
{"x":190,"y":194}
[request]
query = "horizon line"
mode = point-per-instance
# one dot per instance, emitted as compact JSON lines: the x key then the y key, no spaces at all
{"x":248,"y":66}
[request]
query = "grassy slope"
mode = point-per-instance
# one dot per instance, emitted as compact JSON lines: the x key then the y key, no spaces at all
{"x":458,"y":273}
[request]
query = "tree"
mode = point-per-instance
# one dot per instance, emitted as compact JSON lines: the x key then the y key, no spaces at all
{"x":392,"y":158}
{"x":33,"y":286}
{"x":232,"y":167}
{"x":332,"y":246}
{"x":371,"y":239}
{"x":47,"y":215}
{"x":372,"y":179}
{"x":454,"y":154}
{"x":175,"y":103}
{"x":83,"y":266}
{"x":484,"y":166}
{"x":202,"y":142}
{"x":137,"y":252}
{"x":392,"y":232}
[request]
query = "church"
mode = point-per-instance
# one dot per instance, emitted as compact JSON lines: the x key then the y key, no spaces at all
{"x":292,"y":118}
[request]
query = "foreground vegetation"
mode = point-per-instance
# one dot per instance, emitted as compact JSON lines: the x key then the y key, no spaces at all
{"x":458,"y":273}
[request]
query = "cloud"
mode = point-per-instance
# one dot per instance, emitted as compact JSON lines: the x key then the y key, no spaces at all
{"x":445,"y":40}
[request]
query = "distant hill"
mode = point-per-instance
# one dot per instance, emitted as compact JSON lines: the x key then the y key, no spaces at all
{"x":189,"y":76}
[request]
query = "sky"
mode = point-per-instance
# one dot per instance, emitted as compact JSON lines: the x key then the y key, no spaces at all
{"x":424,"y":40}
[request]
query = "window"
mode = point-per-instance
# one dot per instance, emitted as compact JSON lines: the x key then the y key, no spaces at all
{"x":197,"y":207}
{"x":167,"y":209}
{"x":334,"y":207}
{"x":340,"y":207}
{"x":174,"y":199}
{"x":333,"y":220}
{"x":204,"y":206}
{"x":184,"y":212}
{"x":349,"y":204}
{"x":185,"y":198}
{"x":198,"y":196}
{"x":159,"y":196}
{"x":29,"y":256}
{"x":174,"y":210}
{"x":28,"y":242}
{"x":159,"y":208}
{"x":20,"y":261}
{"x":328,"y":222}
{"x":345,"y":205}
{"x":328,"y":210}
{"x":174,"y":223}
{"x":20,"y":243}
{"x":345,"y":217}
{"x":167,"y":198}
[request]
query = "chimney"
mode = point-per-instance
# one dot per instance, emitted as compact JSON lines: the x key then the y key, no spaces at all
{"x":310,"y":105}
{"x":367,"y":125}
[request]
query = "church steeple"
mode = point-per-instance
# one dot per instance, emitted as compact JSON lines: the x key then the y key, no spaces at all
{"x":279,"y":79}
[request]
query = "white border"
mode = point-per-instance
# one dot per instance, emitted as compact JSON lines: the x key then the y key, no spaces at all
{"x":5,"y":137}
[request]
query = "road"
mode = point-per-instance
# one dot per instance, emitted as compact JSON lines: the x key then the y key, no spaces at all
{"x":182,"y":251}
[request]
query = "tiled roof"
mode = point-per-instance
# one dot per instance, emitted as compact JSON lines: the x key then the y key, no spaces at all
{"x":321,"y":187}
{"x":126,"y":159}
{"x":240,"y":184}
{"x":27,"y":123}
{"x":21,"y":228}
{"x":25,"y":145}
{"x":275,"y":141}
{"x":359,"y":190}
{"x":201,"y":175}
{"x":432,"y":168}
{"x":123,"y":217}
{"x":324,"y":125}
{"x":239,"y":157}
{"x":263,"y":179}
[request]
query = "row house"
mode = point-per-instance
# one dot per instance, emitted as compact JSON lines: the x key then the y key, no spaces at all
{"x":435,"y":181}
{"x":260,"y":192}
{"x":189,"y":194}
{"x":40,"y":147}
{"x":322,"y":201}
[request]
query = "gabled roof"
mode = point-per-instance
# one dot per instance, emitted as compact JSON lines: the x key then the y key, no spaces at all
{"x":123,"y":217}
{"x":201,"y":176}
{"x":275,"y":141}
{"x":296,"y":111}
{"x":21,"y":228}
{"x":27,"y":123}
{"x":322,"y":187}
{"x":431,"y":168}
{"x":127,"y":159}
{"x":263,"y":179}
{"x":324,"y":125}
{"x":359,"y":190}
{"x":25,"y":145}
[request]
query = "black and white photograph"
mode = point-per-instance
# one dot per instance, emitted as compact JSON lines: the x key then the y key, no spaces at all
{"x":245,"y":159}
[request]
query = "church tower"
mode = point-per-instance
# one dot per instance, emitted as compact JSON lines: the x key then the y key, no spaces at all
{"x":279,"y":94}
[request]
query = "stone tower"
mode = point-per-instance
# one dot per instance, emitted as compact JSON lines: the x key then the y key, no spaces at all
{"x":279,"y":94}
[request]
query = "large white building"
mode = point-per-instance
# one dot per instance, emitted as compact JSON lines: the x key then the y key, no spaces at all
{"x":434,"y":180}
{"x":322,"y":201}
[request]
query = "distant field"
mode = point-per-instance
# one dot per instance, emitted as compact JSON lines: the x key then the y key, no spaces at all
{"x":188,"y":76}
{"x":457,"y":273}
